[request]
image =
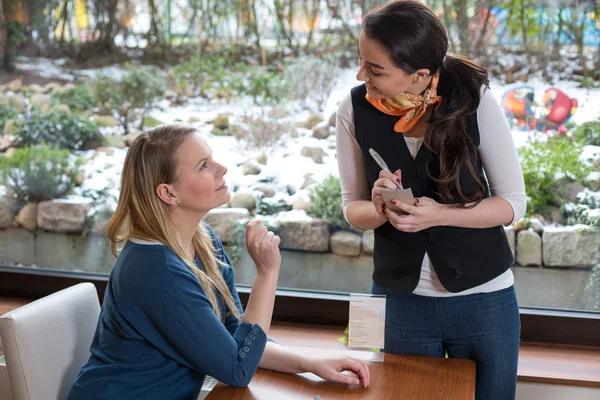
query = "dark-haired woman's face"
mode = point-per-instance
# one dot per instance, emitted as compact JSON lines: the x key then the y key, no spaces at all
{"x":382,"y":78}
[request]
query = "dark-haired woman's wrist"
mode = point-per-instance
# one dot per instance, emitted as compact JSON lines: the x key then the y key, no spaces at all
{"x":362,"y":214}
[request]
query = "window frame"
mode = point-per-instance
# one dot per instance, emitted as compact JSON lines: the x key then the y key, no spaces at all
{"x":303,"y":306}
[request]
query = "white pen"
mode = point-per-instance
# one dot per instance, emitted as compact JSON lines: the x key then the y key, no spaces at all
{"x":383,"y":165}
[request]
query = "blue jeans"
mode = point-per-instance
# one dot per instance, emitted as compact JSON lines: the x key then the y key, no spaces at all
{"x":484,"y":327}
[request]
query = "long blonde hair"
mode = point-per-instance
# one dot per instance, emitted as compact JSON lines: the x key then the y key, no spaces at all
{"x":141,"y":214}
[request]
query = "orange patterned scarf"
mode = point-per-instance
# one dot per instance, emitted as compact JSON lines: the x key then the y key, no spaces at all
{"x":409,"y":107}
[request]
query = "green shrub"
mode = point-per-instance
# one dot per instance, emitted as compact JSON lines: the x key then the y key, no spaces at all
{"x":264,"y":86}
{"x":55,"y":128}
{"x":588,"y":133}
{"x":311,"y":80}
{"x":200,"y":73}
{"x":326,"y":202}
{"x":79,"y":99}
{"x":543,"y":163}
{"x":6,"y":112}
{"x":139,"y":88}
{"x":39,"y":173}
{"x":576,"y":214}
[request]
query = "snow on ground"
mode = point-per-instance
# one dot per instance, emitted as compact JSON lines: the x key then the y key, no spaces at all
{"x":285,"y":166}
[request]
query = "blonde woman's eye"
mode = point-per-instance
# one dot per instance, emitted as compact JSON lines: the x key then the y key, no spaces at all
{"x":203,"y":166}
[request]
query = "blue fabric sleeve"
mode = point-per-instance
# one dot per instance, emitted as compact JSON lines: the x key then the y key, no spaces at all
{"x":229,"y":276}
{"x":179,"y":320}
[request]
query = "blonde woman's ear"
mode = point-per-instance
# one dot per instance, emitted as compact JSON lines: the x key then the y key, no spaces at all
{"x":166,"y":196}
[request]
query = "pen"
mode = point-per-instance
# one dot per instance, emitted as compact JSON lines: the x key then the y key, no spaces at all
{"x":383,"y":165}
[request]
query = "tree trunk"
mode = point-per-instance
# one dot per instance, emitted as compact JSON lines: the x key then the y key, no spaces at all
{"x":3,"y":39}
{"x":463,"y":25}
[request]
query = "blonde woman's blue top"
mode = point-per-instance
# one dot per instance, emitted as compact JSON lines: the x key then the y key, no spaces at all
{"x":158,"y":336}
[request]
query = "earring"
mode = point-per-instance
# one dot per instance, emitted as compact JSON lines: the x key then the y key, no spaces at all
{"x":177,"y":202}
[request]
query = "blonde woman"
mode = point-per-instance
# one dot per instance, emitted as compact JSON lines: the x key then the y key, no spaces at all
{"x":171,"y":313}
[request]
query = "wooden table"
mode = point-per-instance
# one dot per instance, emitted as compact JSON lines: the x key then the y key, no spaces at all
{"x":397,"y":377}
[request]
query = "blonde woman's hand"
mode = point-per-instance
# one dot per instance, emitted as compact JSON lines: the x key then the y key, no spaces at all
{"x":386,"y":180}
{"x":331,"y":369}
{"x":263,"y":247}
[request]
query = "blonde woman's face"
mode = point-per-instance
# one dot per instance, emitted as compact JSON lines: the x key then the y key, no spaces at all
{"x":200,"y":184}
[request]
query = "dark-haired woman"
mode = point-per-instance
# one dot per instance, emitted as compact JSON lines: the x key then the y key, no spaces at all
{"x":444,"y":267}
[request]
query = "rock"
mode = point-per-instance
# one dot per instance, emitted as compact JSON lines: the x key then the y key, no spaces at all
{"x":79,"y":178}
{"x":52,"y":87}
{"x":597,"y":163}
{"x":368,"y":241}
{"x":7,"y":216}
{"x":9,"y":128}
{"x":307,"y":182}
{"x":35,"y":88}
{"x":192,"y":120}
{"x":510,"y":234}
{"x":321,"y":132}
{"x":291,"y":189}
{"x":15,"y":85}
{"x":150,"y":122}
{"x":573,"y":189}
{"x":40,"y":100}
{"x":237,"y":132}
{"x":17,"y":101}
{"x":536,"y":225}
{"x":10,"y":152}
{"x":63,"y":108}
{"x":218,"y":132}
{"x":332,"y":120}
{"x":305,"y":235}
{"x":170,"y":94}
{"x":222,"y":121}
{"x":106,"y":150}
{"x":529,"y":248}
{"x":313,"y":120}
{"x":223,"y":222}
{"x":27,"y":217}
{"x":314,"y":153}
{"x":302,"y":202}
{"x":62,"y":216}
{"x":6,"y":143}
{"x":557,"y":216}
{"x":116,"y":141}
{"x":131,"y":136}
{"x":570,"y":247}
{"x":521,"y":225}
{"x":243,"y":200}
{"x":515,"y":68}
{"x":510,"y":77}
{"x":261,"y":159}
{"x":69,"y":86}
{"x":539,"y":217}
{"x":105,"y":120}
{"x":266,"y":190}
{"x":346,"y":244}
{"x":251,"y":167}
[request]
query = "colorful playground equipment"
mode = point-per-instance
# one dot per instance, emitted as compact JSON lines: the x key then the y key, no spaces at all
{"x":525,"y":113}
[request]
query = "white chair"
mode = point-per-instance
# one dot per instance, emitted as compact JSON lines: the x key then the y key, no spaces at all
{"x":47,"y":341}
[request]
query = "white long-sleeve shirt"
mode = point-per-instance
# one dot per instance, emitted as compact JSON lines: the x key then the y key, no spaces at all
{"x":500,"y":163}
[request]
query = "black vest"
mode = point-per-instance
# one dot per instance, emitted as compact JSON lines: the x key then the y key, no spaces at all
{"x":462,"y":257}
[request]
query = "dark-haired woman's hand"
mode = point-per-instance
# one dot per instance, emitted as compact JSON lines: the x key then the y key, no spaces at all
{"x":386,"y":180}
{"x":424,"y":214}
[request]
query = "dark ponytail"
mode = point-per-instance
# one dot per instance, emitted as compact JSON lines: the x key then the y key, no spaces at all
{"x":416,"y":39}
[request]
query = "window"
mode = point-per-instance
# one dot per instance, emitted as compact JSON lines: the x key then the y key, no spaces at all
{"x":264,"y":94}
